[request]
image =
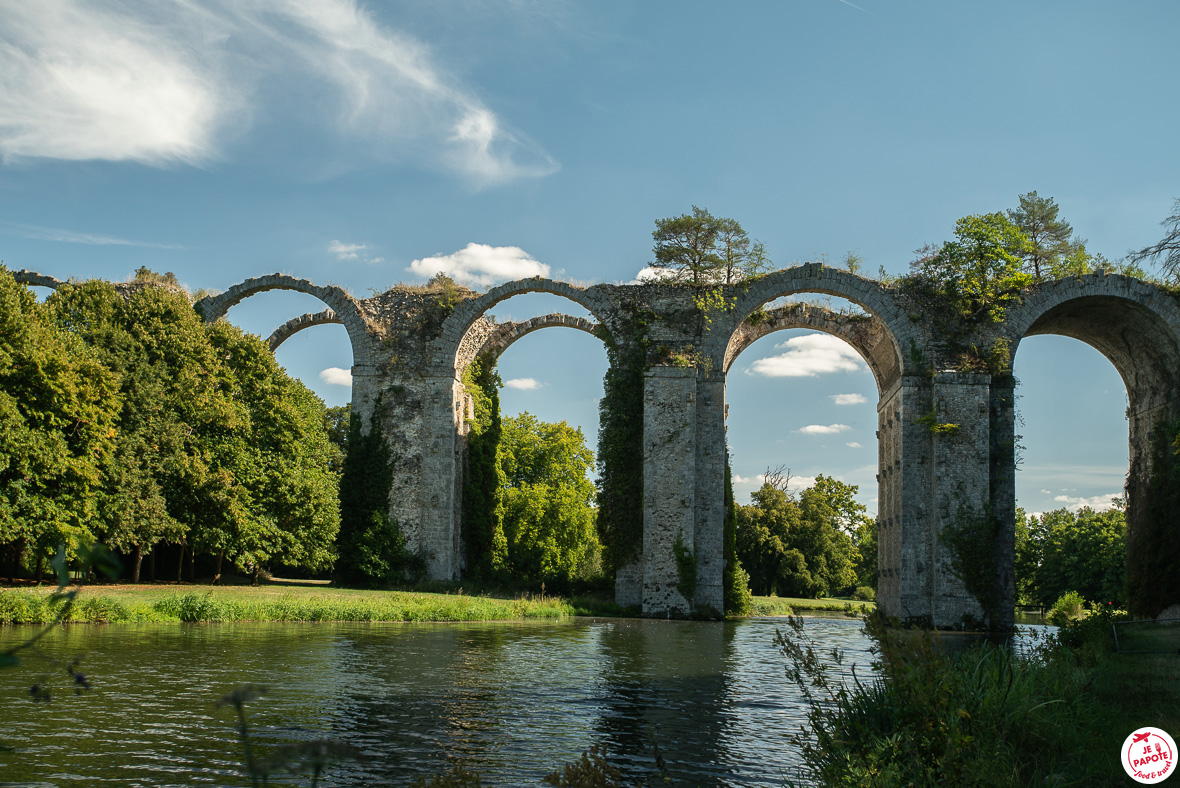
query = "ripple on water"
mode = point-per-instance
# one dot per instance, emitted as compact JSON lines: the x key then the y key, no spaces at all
{"x":511,"y":700}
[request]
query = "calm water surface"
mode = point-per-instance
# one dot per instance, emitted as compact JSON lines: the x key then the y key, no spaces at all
{"x":511,"y":700}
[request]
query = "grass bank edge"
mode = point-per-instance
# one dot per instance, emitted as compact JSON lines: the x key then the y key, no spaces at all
{"x":165,"y":603}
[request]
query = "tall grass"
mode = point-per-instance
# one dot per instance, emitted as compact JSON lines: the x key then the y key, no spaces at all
{"x":987,"y":715}
{"x":27,"y":607}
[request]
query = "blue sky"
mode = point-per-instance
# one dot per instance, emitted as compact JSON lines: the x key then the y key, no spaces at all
{"x":369,"y":144}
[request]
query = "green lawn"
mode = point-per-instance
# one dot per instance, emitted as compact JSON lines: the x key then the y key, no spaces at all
{"x":786,"y":606}
{"x":297,"y":601}
{"x":114,"y":603}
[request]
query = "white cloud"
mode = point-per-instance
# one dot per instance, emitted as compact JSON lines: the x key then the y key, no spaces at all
{"x":480,"y":265}
{"x":345,"y":251}
{"x":820,"y":429}
{"x":739,"y":479}
{"x":524,"y":384}
{"x":849,"y":399}
{"x":164,"y":81}
{"x":650,"y":274}
{"x":1046,"y":492}
{"x":335,"y":376}
{"x":809,"y":355}
{"x":853,"y":445}
{"x":1098,"y":503}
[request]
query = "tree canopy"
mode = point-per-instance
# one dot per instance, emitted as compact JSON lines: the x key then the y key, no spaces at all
{"x":1062,"y":551}
{"x":703,"y":249}
{"x":548,"y":503}
{"x":800,"y":545}
{"x":131,"y":421}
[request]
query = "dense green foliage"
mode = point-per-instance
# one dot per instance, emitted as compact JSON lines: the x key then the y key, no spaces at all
{"x":702,"y":249}
{"x":549,"y":529}
{"x":980,"y":272}
{"x":151,"y":427}
{"x":483,"y":478}
{"x":1154,"y":580}
{"x":58,"y":410}
{"x":372,"y":547}
{"x":1062,"y":551}
{"x":620,"y":455}
{"x":800,"y":545}
{"x":735,"y":581}
{"x":983,"y":716}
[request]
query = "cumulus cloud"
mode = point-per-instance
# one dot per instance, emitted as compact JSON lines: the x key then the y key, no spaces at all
{"x":820,"y":429}
{"x":480,"y":265}
{"x":849,"y":399}
{"x":167,"y":81}
{"x":1098,"y":503}
{"x":795,"y":484}
{"x":650,"y":274}
{"x":345,"y":251}
{"x":524,"y":384}
{"x":809,"y":356}
{"x":335,"y":376}
{"x":739,"y":479}
{"x":853,"y":444}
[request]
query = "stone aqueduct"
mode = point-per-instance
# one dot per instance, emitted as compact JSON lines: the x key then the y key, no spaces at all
{"x":409,"y":351}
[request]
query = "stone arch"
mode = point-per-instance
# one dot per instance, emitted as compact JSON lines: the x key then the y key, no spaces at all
{"x":875,"y":298}
{"x":27,"y":277}
{"x":1136,"y":326}
{"x":297,"y":324}
{"x":865,"y":333}
{"x":213,"y":308}
{"x":505,"y":334}
{"x":466,"y":329}
{"x":879,"y":338}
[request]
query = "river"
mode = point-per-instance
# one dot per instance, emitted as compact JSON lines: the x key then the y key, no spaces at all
{"x":510,"y":700}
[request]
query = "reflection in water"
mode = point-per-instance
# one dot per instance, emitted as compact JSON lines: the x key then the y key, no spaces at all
{"x":511,"y":700}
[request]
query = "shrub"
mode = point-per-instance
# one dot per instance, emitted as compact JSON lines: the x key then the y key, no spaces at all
{"x":1067,"y":608}
{"x":865,"y":594}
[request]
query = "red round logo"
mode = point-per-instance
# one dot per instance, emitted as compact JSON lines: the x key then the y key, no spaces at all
{"x":1149,"y":755}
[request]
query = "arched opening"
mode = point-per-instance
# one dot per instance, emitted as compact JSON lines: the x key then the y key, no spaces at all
{"x":527,"y":438}
{"x":1072,"y":465}
{"x":322,"y":359}
{"x":1136,"y":331}
{"x":805,"y":375}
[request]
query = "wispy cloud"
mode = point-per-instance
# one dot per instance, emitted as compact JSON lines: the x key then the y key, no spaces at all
{"x":1098,"y":503}
{"x":853,"y":444}
{"x":858,"y":8}
{"x":523,"y":384}
{"x":335,"y":376}
{"x":172,"y":81}
{"x":809,"y":356}
{"x":480,"y":265}
{"x":820,"y":429}
{"x":849,"y":399}
{"x":345,"y":251}
{"x":70,"y":237}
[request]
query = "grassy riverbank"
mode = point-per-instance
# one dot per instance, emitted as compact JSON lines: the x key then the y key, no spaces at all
{"x":788,"y":606}
{"x":308,"y":602}
{"x":131,"y":603}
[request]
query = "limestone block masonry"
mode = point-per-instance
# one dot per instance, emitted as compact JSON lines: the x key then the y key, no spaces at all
{"x":412,"y":345}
